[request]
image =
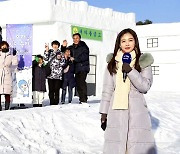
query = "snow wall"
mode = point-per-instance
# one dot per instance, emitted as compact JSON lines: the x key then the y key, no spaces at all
{"x":52,"y":20}
{"x":166,"y":54}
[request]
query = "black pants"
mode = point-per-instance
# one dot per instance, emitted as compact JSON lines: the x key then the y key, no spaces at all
{"x":63,"y":97}
{"x":81,"y":86}
{"x":54,"y":86}
{"x":7,"y":101}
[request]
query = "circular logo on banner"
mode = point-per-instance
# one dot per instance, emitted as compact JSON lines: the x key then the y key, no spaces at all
{"x":75,"y":30}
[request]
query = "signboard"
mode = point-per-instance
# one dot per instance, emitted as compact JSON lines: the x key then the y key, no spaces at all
{"x":19,"y":37}
{"x":88,"y":33}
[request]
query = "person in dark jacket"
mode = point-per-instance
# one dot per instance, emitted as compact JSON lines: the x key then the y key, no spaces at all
{"x":38,"y":81}
{"x":57,"y":61}
{"x":68,"y":78}
{"x":64,"y":46}
{"x":80,"y":53}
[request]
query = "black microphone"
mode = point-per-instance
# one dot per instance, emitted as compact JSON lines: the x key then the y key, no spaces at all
{"x":126,"y":58}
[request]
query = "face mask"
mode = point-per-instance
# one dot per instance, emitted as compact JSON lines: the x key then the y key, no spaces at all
{"x":5,"y":50}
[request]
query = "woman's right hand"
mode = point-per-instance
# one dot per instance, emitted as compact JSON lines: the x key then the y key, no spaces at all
{"x":103,"y":117}
{"x":47,"y":47}
{"x":71,"y":58}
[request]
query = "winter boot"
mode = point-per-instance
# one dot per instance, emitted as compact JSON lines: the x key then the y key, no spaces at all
{"x":7,"y":104}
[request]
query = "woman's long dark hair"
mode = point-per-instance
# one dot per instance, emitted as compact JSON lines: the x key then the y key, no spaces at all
{"x":112,"y":64}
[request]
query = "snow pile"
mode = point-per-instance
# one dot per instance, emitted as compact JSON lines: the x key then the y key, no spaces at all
{"x":75,"y":129}
{"x":164,"y":108}
{"x":66,"y":129}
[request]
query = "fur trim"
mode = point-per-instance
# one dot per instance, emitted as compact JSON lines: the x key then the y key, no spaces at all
{"x":109,"y":57}
{"x":146,"y":60}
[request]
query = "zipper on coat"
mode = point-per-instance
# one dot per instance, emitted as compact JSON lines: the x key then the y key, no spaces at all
{"x":40,"y":76}
{"x":3,"y":79}
{"x":3,"y":74}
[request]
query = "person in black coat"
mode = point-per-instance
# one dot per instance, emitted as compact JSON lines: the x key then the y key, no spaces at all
{"x":68,"y":78}
{"x":80,"y":53}
{"x":64,"y":46}
{"x":38,"y":81}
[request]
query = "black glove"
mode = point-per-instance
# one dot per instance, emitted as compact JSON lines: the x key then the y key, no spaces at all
{"x":103,"y":121}
{"x":14,"y":52}
{"x":126,"y":68}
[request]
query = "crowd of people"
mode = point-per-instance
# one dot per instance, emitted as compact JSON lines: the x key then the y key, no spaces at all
{"x":63,"y":66}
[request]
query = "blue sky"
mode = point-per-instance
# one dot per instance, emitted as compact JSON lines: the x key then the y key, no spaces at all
{"x":158,"y":11}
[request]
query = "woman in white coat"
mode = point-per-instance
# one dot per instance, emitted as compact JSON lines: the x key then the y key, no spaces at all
{"x":123,"y":105}
{"x":6,"y":62}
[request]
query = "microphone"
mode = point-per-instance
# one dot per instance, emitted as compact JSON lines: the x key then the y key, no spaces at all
{"x":126,"y":58}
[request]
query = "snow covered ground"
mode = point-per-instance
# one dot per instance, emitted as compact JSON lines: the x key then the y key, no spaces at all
{"x":75,"y":129}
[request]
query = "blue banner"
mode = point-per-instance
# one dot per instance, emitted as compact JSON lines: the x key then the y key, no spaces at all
{"x":19,"y":37}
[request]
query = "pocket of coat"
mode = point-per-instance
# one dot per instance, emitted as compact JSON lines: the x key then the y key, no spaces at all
{"x":138,"y":104}
{"x":144,"y":101}
{"x":114,"y":134}
{"x":140,"y":121}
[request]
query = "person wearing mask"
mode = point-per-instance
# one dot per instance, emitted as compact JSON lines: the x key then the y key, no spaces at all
{"x":80,"y":58}
{"x":123,"y":108}
{"x":8,"y":63}
{"x":56,"y":61}
{"x":38,"y":81}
